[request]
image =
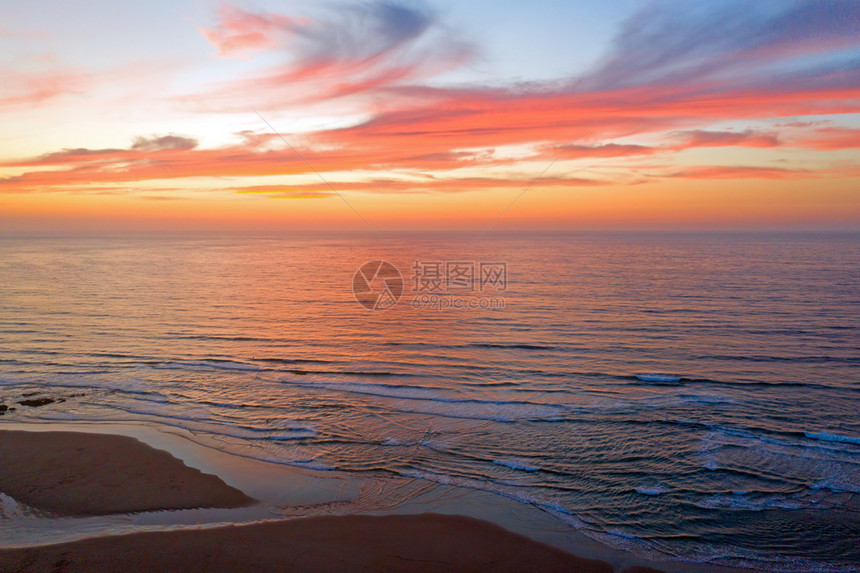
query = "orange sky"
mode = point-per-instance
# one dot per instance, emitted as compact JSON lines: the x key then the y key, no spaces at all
{"x":670,"y":118}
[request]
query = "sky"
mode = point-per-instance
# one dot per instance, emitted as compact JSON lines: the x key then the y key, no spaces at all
{"x":187,"y":115}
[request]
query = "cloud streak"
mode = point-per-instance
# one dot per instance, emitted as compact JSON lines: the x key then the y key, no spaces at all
{"x":746,"y":138}
{"x":672,"y":43}
{"x":32,"y":89}
{"x":239,"y":31}
{"x":349,"y":49}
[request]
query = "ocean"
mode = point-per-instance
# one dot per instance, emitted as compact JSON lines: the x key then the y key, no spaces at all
{"x":689,"y":396}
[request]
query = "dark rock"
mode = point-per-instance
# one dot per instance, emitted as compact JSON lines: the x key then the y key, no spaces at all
{"x":37,"y":402}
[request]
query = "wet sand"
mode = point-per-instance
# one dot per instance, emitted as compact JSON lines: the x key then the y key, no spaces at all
{"x":76,"y":474}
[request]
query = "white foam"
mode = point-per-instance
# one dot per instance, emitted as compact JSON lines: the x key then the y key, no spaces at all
{"x":658,"y":378}
{"x":827,"y":437}
{"x":747,"y":503}
{"x":516,"y":465}
{"x":652,"y":490}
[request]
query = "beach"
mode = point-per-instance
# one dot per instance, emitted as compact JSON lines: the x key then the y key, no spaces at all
{"x":84,"y":474}
{"x":430,"y":285}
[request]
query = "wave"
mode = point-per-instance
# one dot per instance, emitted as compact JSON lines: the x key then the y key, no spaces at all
{"x":294,"y":361}
{"x":198,"y":415}
{"x":492,"y":384}
{"x":746,"y":501}
{"x":485,"y":411}
{"x":761,"y":437}
{"x":499,"y":345}
{"x":227,"y":364}
{"x":117,"y":355}
{"x":516,"y":465}
{"x":511,"y":346}
{"x":369,"y":373}
{"x":666,"y":378}
{"x":812,"y":359}
{"x":281,"y":425}
{"x":156,"y":397}
{"x":280,"y":437}
{"x":217,"y":337}
{"x":135,"y":388}
{"x":826,"y":437}
{"x":652,"y":490}
{"x":200,"y":420}
{"x":386,"y":390}
{"x":430,"y":400}
{"x":659,"y":379}
{"x":656,"y":379}
{"x":209,"y":364}
{"x":836,"y":486}
{"x":786,"y":440}
{"x":80,"y":372}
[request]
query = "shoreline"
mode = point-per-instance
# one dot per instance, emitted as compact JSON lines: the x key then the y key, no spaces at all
{"x":74,"y":474}
{"x":277,"y":487}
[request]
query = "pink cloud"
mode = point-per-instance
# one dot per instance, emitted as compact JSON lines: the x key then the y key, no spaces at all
{"x":746,"y":138}
{"x":29,"y":89}
{"x":744,"y":172}
{"x":349,"y":49}
{"x":831,"y":139}
{"x":240,"y":31}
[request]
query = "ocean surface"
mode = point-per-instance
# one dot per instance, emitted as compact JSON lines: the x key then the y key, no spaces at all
{"x":692,"y":397}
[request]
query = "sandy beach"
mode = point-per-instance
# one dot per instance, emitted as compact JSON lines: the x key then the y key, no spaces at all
{"x":79,"y":474}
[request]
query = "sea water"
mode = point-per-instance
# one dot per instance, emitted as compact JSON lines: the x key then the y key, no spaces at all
{"x":689,"y":397}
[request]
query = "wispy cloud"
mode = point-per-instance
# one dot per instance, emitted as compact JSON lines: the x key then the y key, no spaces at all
{"x":746,"y":138}
{"x":745,"y":172}
{"x":30,"y":89}
{"x":671,"y":43}
{"x":831,"y":139}
{"x":239,"y":31}
{"x":672,"y":67}
{"x":348,"y":49}
{"x":404,"y":186}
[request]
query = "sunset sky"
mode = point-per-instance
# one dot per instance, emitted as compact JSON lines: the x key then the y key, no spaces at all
{"x":438,"y":115}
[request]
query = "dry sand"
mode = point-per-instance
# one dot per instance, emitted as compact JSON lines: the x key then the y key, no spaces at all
{"x":90,"y":474}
